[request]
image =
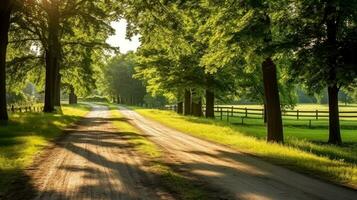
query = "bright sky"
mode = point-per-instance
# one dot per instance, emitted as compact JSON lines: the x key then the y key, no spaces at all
{"x":119,"y":40}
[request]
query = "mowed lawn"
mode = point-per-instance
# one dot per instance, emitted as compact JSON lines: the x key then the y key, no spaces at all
{"x":303,"y":128}
{"x":299,"y":129}
{"x":28,"y":133}
{"x":305,"y":149}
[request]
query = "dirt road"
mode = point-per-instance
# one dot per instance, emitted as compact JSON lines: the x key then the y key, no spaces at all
{"x":93,"y":161}
{"x":241,"y":176}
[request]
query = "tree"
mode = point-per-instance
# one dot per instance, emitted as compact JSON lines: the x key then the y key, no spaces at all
{"x":247,"y":39}
{"x":56,"y":23}
{"x":78,"y":71}
{"x":174,"y":52}
{"x":118,"y":74}
{"x":325,"y":37}
{"x":5,"y":13}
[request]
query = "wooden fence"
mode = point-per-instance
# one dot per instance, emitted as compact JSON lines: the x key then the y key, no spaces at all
{"x":244,"y":112}
{"x":24,"y":109}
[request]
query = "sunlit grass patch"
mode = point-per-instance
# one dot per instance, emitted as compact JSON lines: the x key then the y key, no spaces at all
{"x":332,"y":163}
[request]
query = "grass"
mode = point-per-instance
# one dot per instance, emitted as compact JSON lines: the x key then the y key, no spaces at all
{"x":27,"y":134}
{"x":307,"y":106}
{"x":298,"y":129}
{"x":176,"y":183}
{"x":336,"y":164}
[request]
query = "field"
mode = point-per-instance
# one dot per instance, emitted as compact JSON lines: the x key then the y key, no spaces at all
{"x":342,"y":107}
{"x":28,"y":133}
{"x":311,"y":129}
{"x":305,"y":148}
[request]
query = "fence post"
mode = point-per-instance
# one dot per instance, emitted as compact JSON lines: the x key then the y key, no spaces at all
{"x":246,"y":112}
{"x":232,"y":111}
{"x":310,"y":123}
{"x":317,"y":114}
{"x":227,"y":115}
{"x":297,"y":114}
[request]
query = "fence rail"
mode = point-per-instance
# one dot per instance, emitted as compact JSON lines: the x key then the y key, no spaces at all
{"x":233,"y":111}
{"x":24,"y":109}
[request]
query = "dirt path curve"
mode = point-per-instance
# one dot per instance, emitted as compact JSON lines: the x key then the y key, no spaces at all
{"x":240,"y":175}
{"x":94,"y":162}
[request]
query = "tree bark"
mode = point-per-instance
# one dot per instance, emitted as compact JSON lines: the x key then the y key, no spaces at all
{"x":209,"y":104}
{"x":334,"y":121}
{"x":52,"y":57}
{"x":197,"y":108}
{"x":265,"y":113}
{"x":72,"y":96}
{"x":180,"y":107}
{"x":5,"y":13}
{"x":271,"y":94}
{"x":75,"y":98}
{"x":187,"y":102}
{"x":57,"y":92}
{"x":334,"y":127}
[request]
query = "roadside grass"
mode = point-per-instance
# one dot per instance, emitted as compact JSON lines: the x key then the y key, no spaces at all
{"x":328,"y":162}
{"x":27,"y":134}
{"x":172,"y":181}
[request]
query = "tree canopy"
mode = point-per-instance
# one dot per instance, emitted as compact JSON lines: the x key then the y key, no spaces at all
{"x":193,"y":53}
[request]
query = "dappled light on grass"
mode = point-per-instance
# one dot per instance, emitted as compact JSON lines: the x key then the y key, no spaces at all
{"x":318,"y":160}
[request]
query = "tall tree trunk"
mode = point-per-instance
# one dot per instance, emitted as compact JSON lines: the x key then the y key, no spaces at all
{"x":72,"y":96}
{"x":5,"y":13}
{"x":49,"y":101}
{"x":334,"y":127}
{"x":197,"y":108}
{"x":52,"y":57}
{"x":57,"y":92}
{"x":180,"y":107}
{"x":271,"y":94}
{"x":75,"y":98}
{"x":187,"y":102}
{"x":265,"y":113}
{"x":209,"y":104}
{"x":334,"y":121}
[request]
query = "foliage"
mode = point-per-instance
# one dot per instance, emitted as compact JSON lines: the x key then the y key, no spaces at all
{"x":83,"y":28}
{"x":308,"y":32}
{"x":118,"y":75}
